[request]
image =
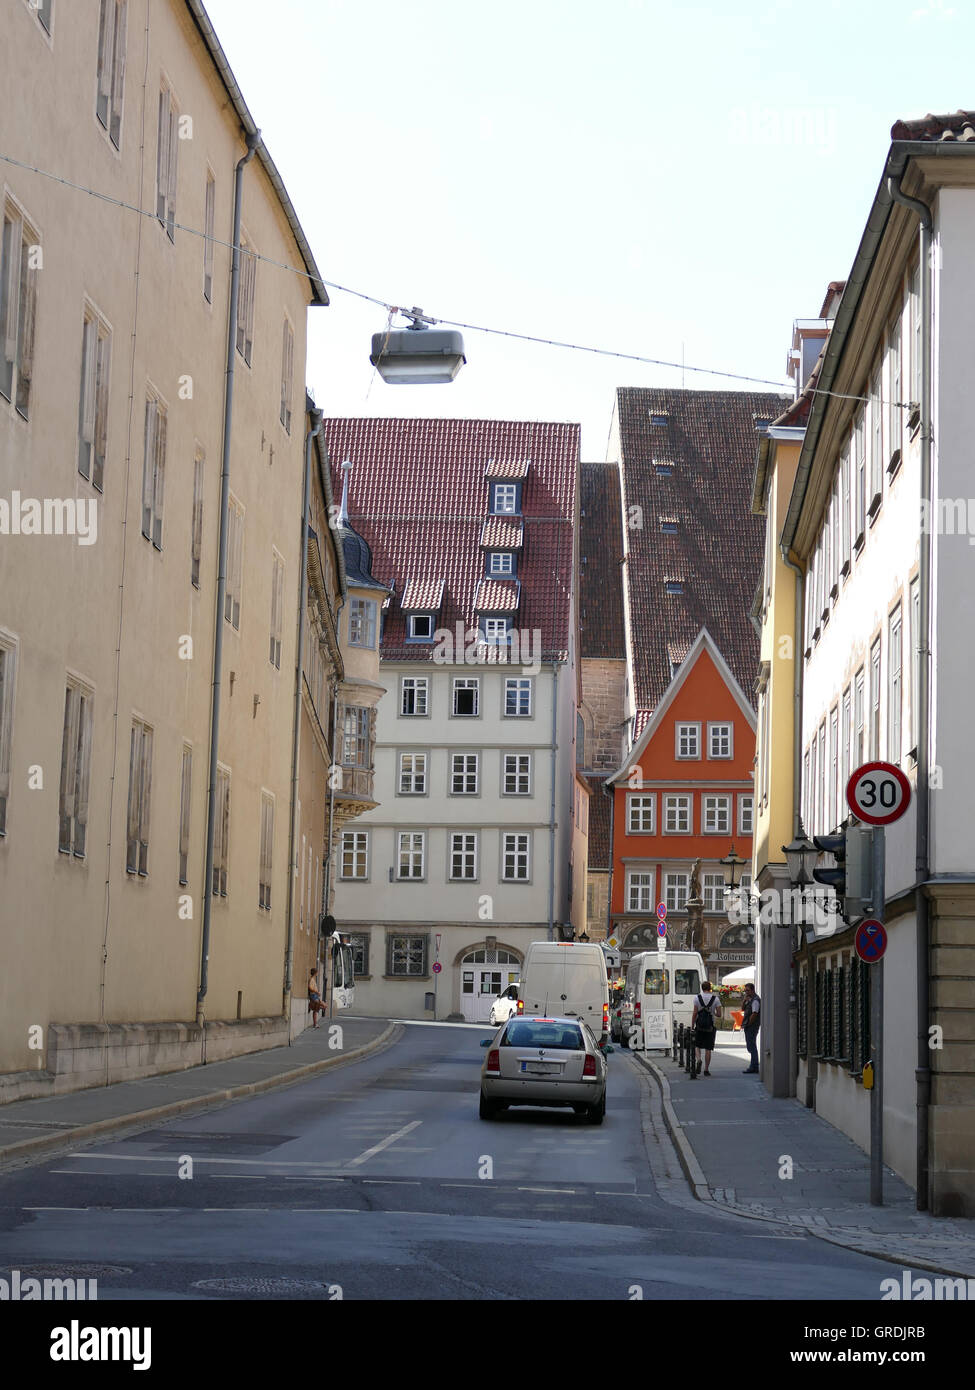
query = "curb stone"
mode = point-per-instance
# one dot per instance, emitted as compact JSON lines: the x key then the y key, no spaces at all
{"x":850,"y":1238}
{"x":27,"y":1149}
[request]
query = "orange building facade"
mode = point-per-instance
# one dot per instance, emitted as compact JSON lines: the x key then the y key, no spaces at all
{"x":685,"y":794}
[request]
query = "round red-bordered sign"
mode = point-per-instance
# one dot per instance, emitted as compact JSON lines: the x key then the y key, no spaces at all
{"x":870,"y":941}
{"x":878,"y":793}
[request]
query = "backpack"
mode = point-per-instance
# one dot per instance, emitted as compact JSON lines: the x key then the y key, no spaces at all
{"x":705,"y":1017}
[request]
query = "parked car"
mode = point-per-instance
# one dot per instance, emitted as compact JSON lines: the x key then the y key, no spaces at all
{"x":544,"y":1061}
{"x":505,"y":1005}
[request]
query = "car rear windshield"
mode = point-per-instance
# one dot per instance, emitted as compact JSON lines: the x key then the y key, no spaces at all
{"x":530,"y":1032}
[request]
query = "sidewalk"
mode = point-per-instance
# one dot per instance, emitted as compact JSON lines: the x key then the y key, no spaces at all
{"x":732,"y":1137}
{"x":31,"y":1128}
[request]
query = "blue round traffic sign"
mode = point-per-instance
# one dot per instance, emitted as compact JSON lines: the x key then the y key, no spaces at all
{"x":661,"y":928}
{"x":437,"y":967}
{"x":870,"y":941}
{"x":661,"y":910}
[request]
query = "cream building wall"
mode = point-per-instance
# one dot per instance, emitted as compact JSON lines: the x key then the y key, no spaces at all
{"x":89,"y":943}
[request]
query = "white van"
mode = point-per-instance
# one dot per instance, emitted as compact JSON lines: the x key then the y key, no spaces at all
{"x":669,"y":987}
{"x":566,"y":979}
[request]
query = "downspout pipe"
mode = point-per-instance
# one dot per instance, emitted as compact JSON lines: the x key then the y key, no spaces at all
{"x":551,"y":833}
{"x":797,"y":628}
{"x":922,"y":841}
{"x":253,"y":139}
{"x":312,"y":433}
{"x":336,"y":762}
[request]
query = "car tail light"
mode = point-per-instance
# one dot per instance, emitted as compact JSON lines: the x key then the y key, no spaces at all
{"x":605,"y":1017}
{"x":636,"y":1011}
{"x":589,"y":1065}
{"x":521,"y":1006}
{"x":494,"y":1061}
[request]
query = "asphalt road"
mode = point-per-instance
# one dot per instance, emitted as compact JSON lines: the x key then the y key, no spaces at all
{"x":377,"y":1180}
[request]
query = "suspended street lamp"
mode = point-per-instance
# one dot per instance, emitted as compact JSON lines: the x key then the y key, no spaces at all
{"x":417,"y":355}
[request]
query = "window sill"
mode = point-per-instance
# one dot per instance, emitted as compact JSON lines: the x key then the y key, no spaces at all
{"x":895,"y":463}
{"x":874,"y":506}
{"x":858,"y":543}
{"x":406,"y":979}
{"x":914,"y":421}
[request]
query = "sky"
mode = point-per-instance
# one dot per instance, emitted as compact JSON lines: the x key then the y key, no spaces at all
{"x":672,"y":180}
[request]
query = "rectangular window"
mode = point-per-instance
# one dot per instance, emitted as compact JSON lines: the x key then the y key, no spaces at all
{"x":875,"y":699}
{"x":676,"y":887}
{"x":7,"y":658}
{"x":859,"y":479}
{"x":277,"y":608}
{"x":209,"y":213}
{"x":717,"y":815}
{"x":359,"y":944}
{"x":814,"y":788}
{"x":267,"y":846}
{"x":495,"y":630}
{"x":75,"y":770}
{"x":287,"y":374}
{"x":44,"y":9}
{"x":419,"y":627}
{"x":845,"y":500}
{"x":412,"y":774}
{"x":406,"y":955}
{"x":640,"y":814}
{"x":876,"y":442}
{"x":746,"y":815}
{"x":111,"y":67}
{"x":517,"y":774}
{"x":355,"y":854}
{"x":246,"y":291}
{"x":895,"y":692}
{"x":410,"y":854}
{"x":826,"y":543}
{"x":688,"y":740}
{"x":894,"y":417}
{"x":639,"y":891}
{"x":821,"y":787}
{"x":235,"y":562}
{"x":463,"y":856}
{"x":835,"y":815}
{"x":196,"y":540}
{"x":515,"y":858}
{"x":504,"y":499}
{"x":96,"y":343}
{"x":720,"y":740}
{"x":713,"y":888}
{"x":859,"y":715}
{"x":166,"y":150}
{"x":466,"y":695}
{"x":185,"y":791}
{"x":355,"y":736}
{"x":414,"y":692}
{"x":19,"y":259}
{"x":517,"y":697}
{"x":915,"y":344}
{"x":915,"y":658}
{"x":221,"y":838}
{"x":677,"y":815}
{"x":463,"y":774}
{"x":140,"y":794}
{"x":362,"y":623}
{"x":153,"y":470}
{"x":501,"y":562}
{"x":834,"y":539}
{"x":846,"y":728}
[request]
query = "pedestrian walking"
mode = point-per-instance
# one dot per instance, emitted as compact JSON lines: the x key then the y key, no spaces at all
{"x":752,"y":1007}
{"x":314,"y":996}
{"x":707,"y":1007}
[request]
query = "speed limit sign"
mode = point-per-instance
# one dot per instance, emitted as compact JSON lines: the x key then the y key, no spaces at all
{"x":878,"y":793}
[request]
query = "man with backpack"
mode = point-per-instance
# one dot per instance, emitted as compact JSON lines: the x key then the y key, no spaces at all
{"x":707,"y":1007}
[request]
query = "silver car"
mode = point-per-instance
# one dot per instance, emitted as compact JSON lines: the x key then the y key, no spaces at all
{"x":544,"y":1061}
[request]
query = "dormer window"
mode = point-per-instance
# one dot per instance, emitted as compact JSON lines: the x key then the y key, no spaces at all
{"x":663,"y":468}
{"x":673,"y":586}
{"x":669,"y":525}
{"x":496,"y":630}
{"x":501,"y":563}
{"x":659,"y":417}
{"x":505,"y":499}
{"x":419,"y":627}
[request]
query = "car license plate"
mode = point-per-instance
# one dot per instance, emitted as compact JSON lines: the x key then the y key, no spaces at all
{"x":542,"y":1068}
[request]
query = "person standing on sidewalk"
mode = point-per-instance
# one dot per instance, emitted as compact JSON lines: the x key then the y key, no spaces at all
{"x":707,"y":1007}
{"x":752,"y":1007}
{"x":314,"y":997}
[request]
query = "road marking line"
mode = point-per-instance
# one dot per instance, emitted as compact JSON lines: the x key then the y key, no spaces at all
{"x":390,"y":1182}
{"x":250,"y":1210}
{"x":559,"y":1191}
{"x":54,"y":1208}
{"x":205,"y":1158}
{"x":377,"y":1148}
{"x":225,"y":1177}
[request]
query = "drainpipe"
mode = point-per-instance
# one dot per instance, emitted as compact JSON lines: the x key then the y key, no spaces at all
{"x":611,"y":793}
{"x":797,"y":628}
{"x":314,"y":430}
{"x":922,"y":846}
{"x":331,"y":779}
{"x":551,"y":840}
{"x":252,"y":141}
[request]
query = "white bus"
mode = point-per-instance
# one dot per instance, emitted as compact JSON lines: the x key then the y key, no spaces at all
{"x":342,"y":972}
{"x":566,"y":979}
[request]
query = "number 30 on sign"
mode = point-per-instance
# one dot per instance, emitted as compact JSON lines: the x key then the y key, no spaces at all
{"x":878,"y":793}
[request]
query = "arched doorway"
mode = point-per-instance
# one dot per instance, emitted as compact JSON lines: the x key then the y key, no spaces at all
{"x":484,"y":973}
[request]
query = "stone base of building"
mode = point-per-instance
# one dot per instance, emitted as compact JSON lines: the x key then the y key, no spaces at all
{"x":81,"y":1055}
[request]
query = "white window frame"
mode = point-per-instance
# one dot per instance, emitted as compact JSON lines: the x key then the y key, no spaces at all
{"x":496,"y":631}
{"x":859,"y":478}
{"x":235,"y":562}
{"x":713,"y":889}
{"x":287,"y":373}
{"x":676,"y":887}
{"x":8,"y":677}
{"x":267,"y":851}
{"x":895,"y":422}
{"x":714,"y":733}
{"x":716,"y":813}
{"x":501,"y":495}
{"x":418,"y":686}
{"x":466,"y":683}
{"x":246,"y":297}
{"x":501,"y":563}
{"x":209,"y":225}
{"x":411,"y":855}
{"x":515,"y":854}
{"x":354,"y":856}
{"x":859,"y":718}
{"x":167,"y":145}
{"x":75,"y":768}
{"x":185,"y":812}
{"x":154,"y":467}
{"x":641,"y":813}
{"x":915,"y":612}
{"x":110,"y":72}
{"x":196,"y":522}
{"x":277,"y":609}
{"x":876,"y":701}
{"x":411,"y":779}
{"x":462,"y":848}
{"x":96,"y":366}
{"x":516,"y":685}
{"x":674,"y":809}
{"x":746,"y":814}
{"x":895,"y":684}
{"x":140,"y":799}
{"x":412,"y":634}
{"x":463,"y":768}
{"x":639,"y":890}
{"x":516,"y":774}
{"x":18,"y":306}
{"x":687,"y":740}
{"x":362,"y":623}
{"x":875,"y":400}
{"x":221,"y":837}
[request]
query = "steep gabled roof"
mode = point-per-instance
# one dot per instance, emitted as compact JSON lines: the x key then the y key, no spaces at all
{"x":600,"y":562}
{"x":419,"y":494}
{"x":709,"y":438}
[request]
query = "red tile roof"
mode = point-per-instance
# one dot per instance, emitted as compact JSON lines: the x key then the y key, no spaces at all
{"x":717,"y":550}
{"x":502,"y":533}
{"x":959,"y":125}
{"x":496,"y":596}
{"x":600,"y":559}
{"x":640,"y":721}
{"x":600,"y":852}
{"x":506,"y":470}
{"x":419,"y":490}
{"x":422,"y":595}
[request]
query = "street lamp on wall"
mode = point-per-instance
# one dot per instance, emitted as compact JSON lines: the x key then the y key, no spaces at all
{"x":734,"y":863}
{"x":800,"y":856}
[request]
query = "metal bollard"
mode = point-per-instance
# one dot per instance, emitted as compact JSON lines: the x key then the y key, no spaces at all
{"x":678,"y":1031}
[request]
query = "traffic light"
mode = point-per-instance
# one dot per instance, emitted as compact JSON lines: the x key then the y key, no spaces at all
{"x":852,"y":877}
